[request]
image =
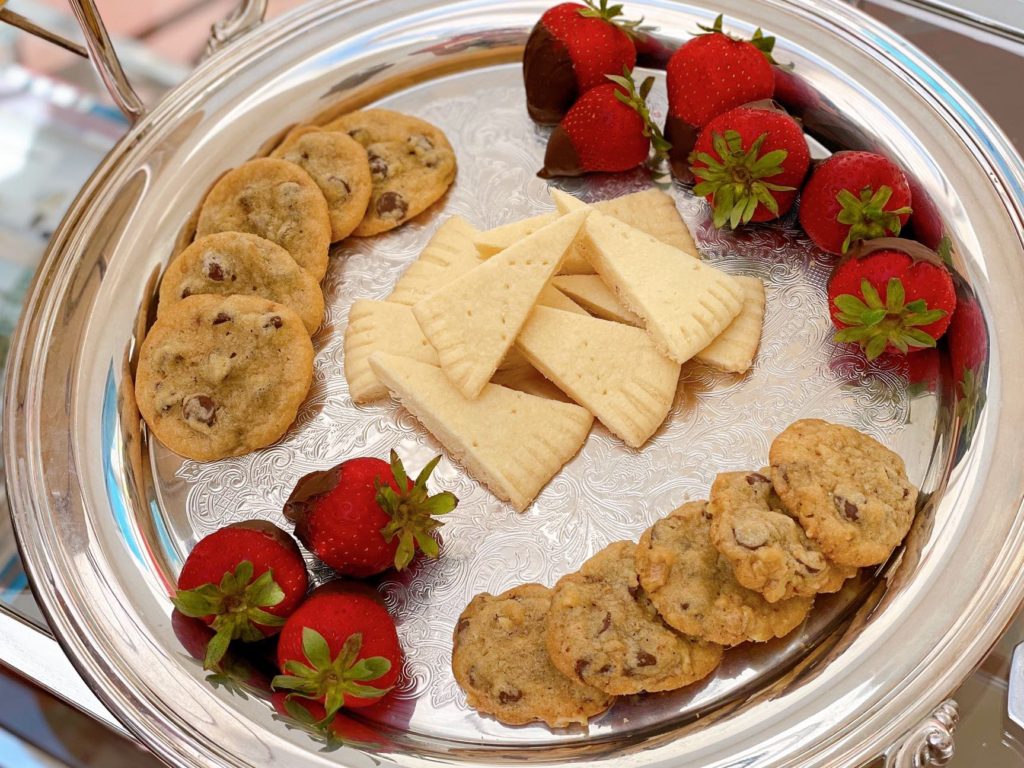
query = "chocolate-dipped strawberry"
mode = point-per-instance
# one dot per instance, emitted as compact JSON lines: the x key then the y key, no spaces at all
{"x":569,"y":51}
{"x":609,"y":129}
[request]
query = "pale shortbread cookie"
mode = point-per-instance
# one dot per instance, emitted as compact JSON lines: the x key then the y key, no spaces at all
{"x":550,"y":296}
{"x":474,"y":320}
{"x":512,"y":442}
{"x":274,"y":199}
{"x":614,"y":371}
{"x":734,"y":349}
{"x":449,"y":255}
{"x":596,"y":297}
{"x":339,"y":166}
{"x":380,"y":326}
{"x":236,"y":263}
{"x":492,"y":241}
{"x":525,"y":378}
{"x":684,"y":303}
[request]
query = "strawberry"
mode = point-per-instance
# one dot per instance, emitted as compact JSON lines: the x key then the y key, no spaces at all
{"x":243,"y":580}
{"x":919,"y":300}
{"x":569,"y":51}
{"x":711,"y":74}
{"x":748,"y":163}
{"x":608,"y":129}
{"x":854,"y":196}
{"x":365,"y":515}
{"x":334,"y":732}
{"x":968,"y":350}
{"x":340,"y":649}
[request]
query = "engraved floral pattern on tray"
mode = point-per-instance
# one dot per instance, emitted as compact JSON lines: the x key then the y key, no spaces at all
{"x":608,"y":492}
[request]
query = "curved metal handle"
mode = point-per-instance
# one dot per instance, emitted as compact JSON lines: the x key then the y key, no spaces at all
{"x":930,"y":743}
{"x":248,"y":15}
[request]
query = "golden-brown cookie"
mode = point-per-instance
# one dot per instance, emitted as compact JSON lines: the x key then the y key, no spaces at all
{"x":339,"y":166}
{"x":693,"y":587}
{"x":411,"y":163}
{"x":500,"y":661}
{"x":236,"y":263}
{"x":274,"y":199}
{"x":603,"y":630}
{"x":221,"y":376}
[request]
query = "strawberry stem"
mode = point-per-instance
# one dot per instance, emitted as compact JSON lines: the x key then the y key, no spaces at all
{"x":637,"y":100}
{"x":866,"y":215}
{"x":236,"y":605}
{"x":412,"y":511}
{"x":764,"y":43}
{"x":736,"y":179}
{"x":611,"y":14}
{"x":331,"y":679}
{"x":875,"y":325}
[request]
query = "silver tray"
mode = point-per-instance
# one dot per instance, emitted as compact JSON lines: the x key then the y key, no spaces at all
{"x":105,"y":516}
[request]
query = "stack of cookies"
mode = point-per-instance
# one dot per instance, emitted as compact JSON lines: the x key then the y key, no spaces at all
{"x":229,"y":360}
{"x":654,"y":616}
{"x":507,"y":344}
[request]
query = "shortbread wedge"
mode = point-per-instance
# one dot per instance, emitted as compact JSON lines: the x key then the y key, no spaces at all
{"x":473,"y":321}
{"x":525,"y":378}
{"x":654,"y":212}
{"x":734,"y":349}
{"x":449,"y":255}
{"x":613,"y":370}
{"x":495,"y":240}
{"x":590,"y":292}
{"x":512,"y":442}
{"x":550,"y":296}
{"x":380,"y":326}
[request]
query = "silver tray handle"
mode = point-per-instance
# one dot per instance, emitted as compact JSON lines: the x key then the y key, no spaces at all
{"x":100,"y":51}
{"x":930,"y":743}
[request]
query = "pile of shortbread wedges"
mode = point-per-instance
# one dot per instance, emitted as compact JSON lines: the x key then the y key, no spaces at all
{"x":507,"y":344}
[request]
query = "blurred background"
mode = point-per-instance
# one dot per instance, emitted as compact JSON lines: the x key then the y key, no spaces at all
{"x":56,"y":124}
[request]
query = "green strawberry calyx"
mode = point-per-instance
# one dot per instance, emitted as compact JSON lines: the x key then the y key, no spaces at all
{"x":236,"y":604}
{"x":971,"y":400}
{"x":635,"y":99}
{"x":875,"y":325}
{"x":764,"y":43}
{"x":413,"y":512}
{"x":737,"y":180}
{"x":866,"y":215}
{"x":610,"y":13}
{"x":332,"y":679}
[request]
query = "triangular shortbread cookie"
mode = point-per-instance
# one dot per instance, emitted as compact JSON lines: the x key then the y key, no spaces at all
{"x":512,"y":442}
{"x":473,"y":321}
{"x":550,"y":296}
{"x":449,"y":255}
{"x":380,"y":326}
{"x":495,"y":240}
{"x":525,"y":378}
{"x":596,"y":297}
{"x":735,"y":347}
{"x":654,"y":212}
{"x":613,"y":370}
{"x":684,"y":303}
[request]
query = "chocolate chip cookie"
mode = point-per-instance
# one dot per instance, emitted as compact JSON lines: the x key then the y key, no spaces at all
{"x":768,"y":550}
{"x":849,"y":492}
{"x":604,"y":631}
{"x":411,"y":163}
{"x":339,"y":166}
{"x":274,"y":199}
{"x":693,"y":588}
{"x":221,"y":376}
{"x":229,"y":263}
{"x":499,"y":659}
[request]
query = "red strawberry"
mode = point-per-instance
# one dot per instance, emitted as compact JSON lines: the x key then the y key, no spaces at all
{"x":854,"y":196}
{"x":919,"y":300}
{"x":968,"y":350}
{"x":748,"y":163}
{"x":243,"y":580}
{"x":365,"y":516}
{"x":609,"y":129}
{"x":340,"y":649}
{"x":711,"y":74}
{"x":569,"y":51}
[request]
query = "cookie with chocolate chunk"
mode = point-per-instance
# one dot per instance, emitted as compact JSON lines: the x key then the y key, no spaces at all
{"x":220,"y":376}
{"x":500,"y":661}
{"x":768,"y":550}
{"x":276,"y":200}
{"x":849,"y":492}
{"x":693,"y":587}
{"x":411,"y":163}
{"x":339,"y":166}
{"x":604,"y":631}
{"x":229,"y":263}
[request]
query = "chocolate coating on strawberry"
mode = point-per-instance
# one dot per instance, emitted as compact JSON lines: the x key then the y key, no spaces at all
{"x":569,"y":51}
